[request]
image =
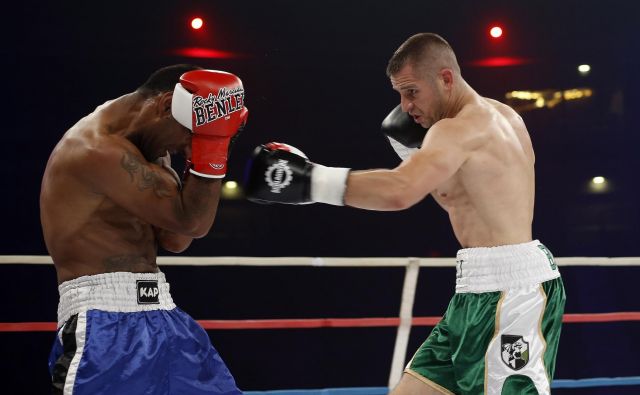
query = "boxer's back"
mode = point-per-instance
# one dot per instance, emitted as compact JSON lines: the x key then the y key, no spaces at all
{"x":85,"y":232}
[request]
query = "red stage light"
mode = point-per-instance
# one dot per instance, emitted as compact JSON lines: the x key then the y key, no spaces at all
{"x":205,"y":53}
{"x":501,"y":61}
{"x":196,"y":23}
{"x":495,"y":31}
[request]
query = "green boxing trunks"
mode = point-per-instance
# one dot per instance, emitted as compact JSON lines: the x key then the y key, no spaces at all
{"x":500,"y":332}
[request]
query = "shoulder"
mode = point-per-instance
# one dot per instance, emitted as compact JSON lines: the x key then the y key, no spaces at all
{"x":504,"y":110}
{"x":93,"y":155}
{"x":468,"y":130}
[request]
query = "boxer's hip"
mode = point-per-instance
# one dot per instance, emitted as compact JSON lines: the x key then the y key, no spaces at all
{"x":489,"y":269}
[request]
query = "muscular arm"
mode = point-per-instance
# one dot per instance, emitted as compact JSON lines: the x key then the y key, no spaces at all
{"x":172,"y":242}
{"x":150,"y":193}
{"x":443,"y":152}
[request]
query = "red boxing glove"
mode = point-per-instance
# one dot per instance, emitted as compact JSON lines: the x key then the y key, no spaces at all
{"x":210,"y":103}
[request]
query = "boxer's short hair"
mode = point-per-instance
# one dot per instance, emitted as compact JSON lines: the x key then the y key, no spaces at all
{"x":425,"y":51}
{"x":165,"y":79}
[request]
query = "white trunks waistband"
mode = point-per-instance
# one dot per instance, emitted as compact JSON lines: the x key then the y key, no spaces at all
{"x":489,"y":269}
{"x":114,"y":292}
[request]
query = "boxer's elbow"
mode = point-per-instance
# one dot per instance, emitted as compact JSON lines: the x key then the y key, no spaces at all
{"x":171,"y":241}
{"x":410,"y":185}
{"x":176,"y":245}
{"x":195,"y":223}
{"x":200,"y":228}
{"x":399,"y":201}
{"x":175,"y":248}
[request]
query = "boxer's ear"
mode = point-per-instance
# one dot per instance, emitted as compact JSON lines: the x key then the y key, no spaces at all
{"x":164,"y":104}
{"x":446,"y":78}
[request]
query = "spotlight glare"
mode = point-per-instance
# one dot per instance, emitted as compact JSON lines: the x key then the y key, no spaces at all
{"x":231,"y":185}
{"x":495,"y":31}
{"x":599,"y":184}
{"x":584,"y":69}
{"x":231,"y":190}
{"x":196,"y":23}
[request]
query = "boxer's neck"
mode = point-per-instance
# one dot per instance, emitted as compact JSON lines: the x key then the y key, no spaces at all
{"x":461,"y":95}
{"x":136,"y":118}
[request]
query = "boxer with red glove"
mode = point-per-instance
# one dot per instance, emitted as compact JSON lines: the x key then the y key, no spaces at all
{"x":210,"y":103}
{"x":109,"y":199}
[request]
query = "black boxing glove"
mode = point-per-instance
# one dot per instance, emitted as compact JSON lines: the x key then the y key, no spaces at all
{"x":280,"y":173}
{"x":403,"y":133}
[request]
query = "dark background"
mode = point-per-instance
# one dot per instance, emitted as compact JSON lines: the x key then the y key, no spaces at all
{"x":314,"y":78}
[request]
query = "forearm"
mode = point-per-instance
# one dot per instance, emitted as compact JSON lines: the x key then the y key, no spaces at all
{"x":281,"y":173}
{"x":198,"y":205}
{"x":381,"y":190}
{"x":217,"y":100}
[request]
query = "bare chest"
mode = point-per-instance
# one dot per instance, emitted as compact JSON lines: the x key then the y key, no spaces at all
{"x":450,"y":193}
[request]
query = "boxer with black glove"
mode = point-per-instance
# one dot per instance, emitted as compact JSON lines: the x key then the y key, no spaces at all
{"x":282,"y":173}
{"x":477,"y":162}
{"x":404,"y":134}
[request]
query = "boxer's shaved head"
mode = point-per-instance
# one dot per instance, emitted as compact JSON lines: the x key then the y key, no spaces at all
{"x":427,"y":53}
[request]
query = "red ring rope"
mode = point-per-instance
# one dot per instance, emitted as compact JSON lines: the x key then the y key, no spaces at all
{"x":325,"y":322}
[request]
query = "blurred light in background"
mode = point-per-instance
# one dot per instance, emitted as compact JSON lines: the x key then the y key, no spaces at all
{"x":573,"y":94}
{"x":196,"y":23}
{"x":584,"y":69}
{"x":527,"y":100}
{"x":599,"y":184}
{"x":495,"y":31}
{"x":231,"y":190}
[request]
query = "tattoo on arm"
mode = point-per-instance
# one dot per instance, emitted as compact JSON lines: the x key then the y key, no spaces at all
{"x":143,"y":175}
{"x":130,"y":164}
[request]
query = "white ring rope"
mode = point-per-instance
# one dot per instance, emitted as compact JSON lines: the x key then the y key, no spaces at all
{"x":329,"y":262}
{"x":404,"y":329}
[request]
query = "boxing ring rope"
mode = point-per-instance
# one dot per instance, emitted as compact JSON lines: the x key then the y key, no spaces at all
{"x":404,"y":322}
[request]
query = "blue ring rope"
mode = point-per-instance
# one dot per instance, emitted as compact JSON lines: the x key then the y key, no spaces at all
{"x":561,"y":383}
{"x":596,"y":382}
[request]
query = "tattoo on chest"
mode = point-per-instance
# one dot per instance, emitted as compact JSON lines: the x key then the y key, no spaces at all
{"x":143,"y":175}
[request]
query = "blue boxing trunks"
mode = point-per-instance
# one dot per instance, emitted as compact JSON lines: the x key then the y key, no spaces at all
{"x":121,"y":333}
